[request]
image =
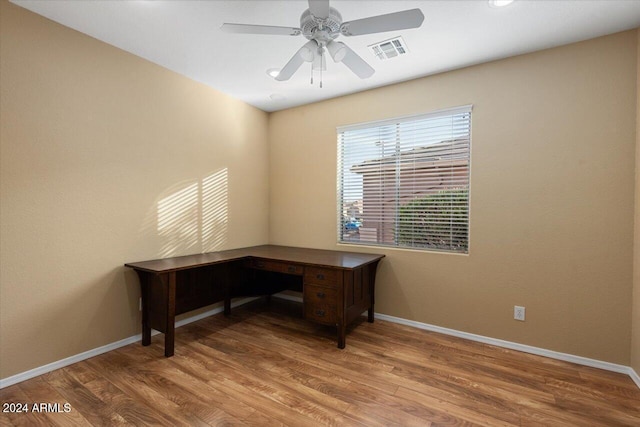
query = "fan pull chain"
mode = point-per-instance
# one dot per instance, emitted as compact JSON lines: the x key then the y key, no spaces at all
{"x":321,"y":63}
{"x":312,"y":73}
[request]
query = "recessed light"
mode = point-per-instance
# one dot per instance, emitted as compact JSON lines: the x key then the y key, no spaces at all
{"x":273,"y":72}
{"x":500,"y":3}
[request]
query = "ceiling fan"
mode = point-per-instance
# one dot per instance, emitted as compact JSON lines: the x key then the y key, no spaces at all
{"x":321,"y":24}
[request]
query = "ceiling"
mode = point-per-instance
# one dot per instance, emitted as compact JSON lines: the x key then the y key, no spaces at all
{"x":185,"y":36}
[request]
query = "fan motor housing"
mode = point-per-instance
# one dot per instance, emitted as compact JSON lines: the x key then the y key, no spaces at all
{"x":328,"y":27}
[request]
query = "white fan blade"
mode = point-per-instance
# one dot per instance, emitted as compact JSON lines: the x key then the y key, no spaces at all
{"x":305,"y":53}
{"x":319,"y":8}
{"x":356,"y":64}
{"x":290,"y":68}
{"x":260,"y":29}
{"x":406,"y":19}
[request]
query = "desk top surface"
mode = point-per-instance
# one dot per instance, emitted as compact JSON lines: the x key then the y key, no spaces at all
{"x":314,"y":257}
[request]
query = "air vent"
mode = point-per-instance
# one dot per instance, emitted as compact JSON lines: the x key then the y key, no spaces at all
{"x":389,"y":48}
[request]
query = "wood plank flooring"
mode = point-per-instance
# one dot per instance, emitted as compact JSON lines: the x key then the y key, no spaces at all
{"x":264,"y":366}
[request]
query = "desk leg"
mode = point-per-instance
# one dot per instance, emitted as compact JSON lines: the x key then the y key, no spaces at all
{"x":342,"y":333}
{"x":144,"y":296}
{"x":226,"y":279}
{"x":227,"y":306}
{"x":169,"y":336}
{"x":372,"y":290}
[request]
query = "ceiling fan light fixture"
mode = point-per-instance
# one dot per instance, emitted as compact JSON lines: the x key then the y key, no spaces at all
{"x":500,"y":3}
{"x":337,"y":51}
{"x":307,"y":53}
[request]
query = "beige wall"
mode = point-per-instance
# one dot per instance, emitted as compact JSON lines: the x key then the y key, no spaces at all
{"x":552,"y":188}
{"x":106,"y":159}
{"x":635,"y":341}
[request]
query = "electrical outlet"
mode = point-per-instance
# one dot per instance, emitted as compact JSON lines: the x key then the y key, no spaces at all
{"x":518,"y":313}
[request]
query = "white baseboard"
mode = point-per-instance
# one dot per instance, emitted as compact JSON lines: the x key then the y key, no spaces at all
{"x":6,"y":382}
{"x":288,"y":297}
{"x":425,"y":326}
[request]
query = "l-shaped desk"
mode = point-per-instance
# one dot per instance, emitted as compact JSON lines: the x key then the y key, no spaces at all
{"x":337,"y":287}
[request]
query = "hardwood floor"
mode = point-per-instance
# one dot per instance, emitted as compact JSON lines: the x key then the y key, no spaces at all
{"x":265,"y":366}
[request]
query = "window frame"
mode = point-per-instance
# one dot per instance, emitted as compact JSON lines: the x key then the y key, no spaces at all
{"x":459,"y":220}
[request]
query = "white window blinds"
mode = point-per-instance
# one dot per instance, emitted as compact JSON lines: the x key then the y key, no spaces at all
{"x":405,"y":182}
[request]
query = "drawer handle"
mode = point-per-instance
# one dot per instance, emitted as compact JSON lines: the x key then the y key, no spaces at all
{"x":320,"y":276}
{"x":291,"y":269}
{"x":321,"y":294}
{"x":320,"y":313}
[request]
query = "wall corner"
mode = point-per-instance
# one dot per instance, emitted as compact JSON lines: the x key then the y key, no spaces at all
{"x":635,"y":316}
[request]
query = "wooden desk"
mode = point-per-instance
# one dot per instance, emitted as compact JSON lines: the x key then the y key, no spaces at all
{"x":337,"y":287}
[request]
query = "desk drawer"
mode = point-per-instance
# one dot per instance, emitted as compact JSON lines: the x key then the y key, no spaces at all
{"x":320,"y":295}
{"x":321,"y":313}
{"x":320,"y":304}
{"x":279,"y":267}
{"x":323,"y":276}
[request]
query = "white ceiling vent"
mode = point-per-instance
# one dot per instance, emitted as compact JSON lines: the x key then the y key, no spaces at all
{"x":389,"y":48}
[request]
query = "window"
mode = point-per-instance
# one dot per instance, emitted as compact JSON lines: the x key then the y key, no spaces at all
{"x":405,"y":182}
